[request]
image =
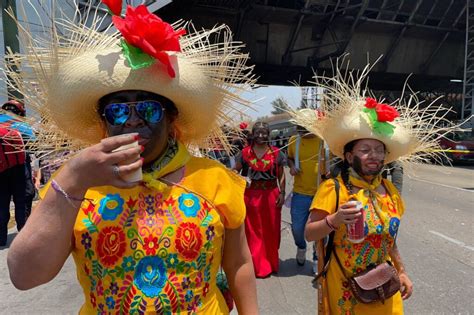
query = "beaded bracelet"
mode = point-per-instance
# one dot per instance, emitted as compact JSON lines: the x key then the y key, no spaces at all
{"x":332,"y":227}
{"x":57,"y":188}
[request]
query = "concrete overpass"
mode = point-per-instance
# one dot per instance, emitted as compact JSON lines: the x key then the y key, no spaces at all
{"x":288,"y":39}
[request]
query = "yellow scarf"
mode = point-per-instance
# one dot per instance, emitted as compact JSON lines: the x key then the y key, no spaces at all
{"x":175,"y":157}
{"x":368,"y":191}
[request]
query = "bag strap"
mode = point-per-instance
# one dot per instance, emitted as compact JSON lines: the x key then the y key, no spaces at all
{"x":330,"y":245}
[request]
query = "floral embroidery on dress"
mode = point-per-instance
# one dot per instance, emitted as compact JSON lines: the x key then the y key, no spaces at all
{"x":379,"y":237}
{"x":263,"y":164}
{"x":149,"y":252}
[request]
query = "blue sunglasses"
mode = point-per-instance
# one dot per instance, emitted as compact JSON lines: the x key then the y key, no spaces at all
{"x":117,"y":114}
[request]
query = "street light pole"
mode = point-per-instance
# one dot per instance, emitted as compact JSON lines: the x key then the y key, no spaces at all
{"x":10,"y":40}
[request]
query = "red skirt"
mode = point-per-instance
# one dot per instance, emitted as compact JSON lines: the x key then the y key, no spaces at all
{"x":263,"y":229}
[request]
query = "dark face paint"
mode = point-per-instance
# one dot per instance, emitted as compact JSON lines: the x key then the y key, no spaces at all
{"x":357,"y":166}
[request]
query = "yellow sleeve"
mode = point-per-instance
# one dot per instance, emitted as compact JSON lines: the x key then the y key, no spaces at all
{"x":229,"y":199}
{"x":223,"y":187}
{"x":325,"y":198}
{"x":291,"y":147}
{"x":395,"y":195}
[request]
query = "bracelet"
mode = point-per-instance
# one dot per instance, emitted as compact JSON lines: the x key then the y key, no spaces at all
{"x":332,"y":227}
{"x":57,"y":188}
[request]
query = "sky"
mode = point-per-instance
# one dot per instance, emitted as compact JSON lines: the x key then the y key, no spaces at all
{"x":266,"y":94}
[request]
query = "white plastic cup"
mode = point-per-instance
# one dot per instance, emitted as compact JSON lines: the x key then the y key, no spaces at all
{"x":130,"y":177}
{"x":355,"y":231}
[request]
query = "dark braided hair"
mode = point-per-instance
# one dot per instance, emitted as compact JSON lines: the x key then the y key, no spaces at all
{"x":345,"y":165}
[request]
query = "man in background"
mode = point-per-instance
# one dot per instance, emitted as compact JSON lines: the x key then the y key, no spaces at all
{"x":303,"y":157}
{"x":14,"y":179}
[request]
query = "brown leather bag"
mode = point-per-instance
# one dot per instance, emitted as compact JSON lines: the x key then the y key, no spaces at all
{"x":376,"y":284}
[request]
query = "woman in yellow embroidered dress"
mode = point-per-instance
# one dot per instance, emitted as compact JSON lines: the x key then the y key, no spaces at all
{"x":151,"y":246}
{"x":366,"y":135}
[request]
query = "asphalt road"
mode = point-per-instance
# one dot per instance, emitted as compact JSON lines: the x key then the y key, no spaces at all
{"x":436,"y":242}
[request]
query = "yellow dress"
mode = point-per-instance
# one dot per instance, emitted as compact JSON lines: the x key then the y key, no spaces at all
{"x":146,"y":251}
{"x":380,"y":228}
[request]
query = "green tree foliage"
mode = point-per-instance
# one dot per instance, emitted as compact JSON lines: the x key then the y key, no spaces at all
{"x":279,"y":105}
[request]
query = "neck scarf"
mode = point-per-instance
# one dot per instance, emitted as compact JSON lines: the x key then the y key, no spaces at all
{"x":368,"y":191}
{"x":175,"y":156}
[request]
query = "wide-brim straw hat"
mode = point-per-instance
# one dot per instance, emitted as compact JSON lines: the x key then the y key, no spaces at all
{"x":66,"y":73}
{"x":342,"y":117}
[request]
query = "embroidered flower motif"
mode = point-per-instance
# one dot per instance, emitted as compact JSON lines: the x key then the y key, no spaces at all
{"x":206,"y":289}
{"x":110,"y":245}
{"x":172,"y":260}
{"x":149,"y":200}
{"x":195,"y":304}
{"x":393,"y":226}
{"x":346,"y":295}
{"x":110,"y":302}
{"x":147,"y":32}
{"x":198,"y":280}
{"x":86,"y":240}
{"x":150,"y":275}
{"x":366,"y":229}
{"x":114,"y":288}
{"x":150,"y":245}
{"x":92,"y":299}
{"x":379,"y":229}
{"x":150,"y":210}
{"x":210,"y":233}
{"x":189,"y":296}
{"x":150,"y":221}
{"x":189,"y":204}
{"x":99,"y":289}
{"x":111,"y":206}
{"x":188,"y":240}
{"x":101,"y":308}
{"x":128,"y":263}
{"x":186,"y":283}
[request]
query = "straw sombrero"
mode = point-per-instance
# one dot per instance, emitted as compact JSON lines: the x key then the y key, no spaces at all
{"x":408,"y":130}
{"x":64,"y":74}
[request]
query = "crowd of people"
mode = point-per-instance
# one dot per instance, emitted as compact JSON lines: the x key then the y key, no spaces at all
{"x":186,"y":230}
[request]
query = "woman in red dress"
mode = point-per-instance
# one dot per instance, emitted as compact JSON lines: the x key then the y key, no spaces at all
{"x":264,"y":198}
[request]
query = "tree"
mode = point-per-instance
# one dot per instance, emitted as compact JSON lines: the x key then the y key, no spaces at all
{"x":280,"y":106}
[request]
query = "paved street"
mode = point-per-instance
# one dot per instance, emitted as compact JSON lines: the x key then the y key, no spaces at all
{"x":436,"y":242}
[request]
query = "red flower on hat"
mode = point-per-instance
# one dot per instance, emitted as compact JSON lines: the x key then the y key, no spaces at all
{"x":386,"y":113}
{"x":146,"y":31}
{"x":370,"y":102}
{"x":243,"y":125}
{"x":114,"y":5}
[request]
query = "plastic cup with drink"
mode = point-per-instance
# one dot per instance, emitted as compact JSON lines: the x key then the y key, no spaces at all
{"x":355,"y":231}
{"x":136,"y":175}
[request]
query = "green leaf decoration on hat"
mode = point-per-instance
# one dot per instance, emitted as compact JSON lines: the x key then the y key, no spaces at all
{"x":379,"y":124}
{"x":136,"y":58}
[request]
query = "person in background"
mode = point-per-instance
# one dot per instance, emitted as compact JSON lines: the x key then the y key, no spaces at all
{"x":303,"y":161}
{"x":394,"y":170}
{"x":264,"y":198}
{"x":156,"y":222}
{"x":13,"y":171}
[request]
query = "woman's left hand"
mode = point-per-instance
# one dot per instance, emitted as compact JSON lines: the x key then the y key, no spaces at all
{"x":406,"y":286}
{"x":280,"y":200}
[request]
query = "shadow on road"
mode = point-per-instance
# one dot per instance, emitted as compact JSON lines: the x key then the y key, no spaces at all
{"x":289,"y":268}
{"x":10,"y":238}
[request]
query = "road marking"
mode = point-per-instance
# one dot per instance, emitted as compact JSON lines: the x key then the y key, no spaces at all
{"x":443,"y":185}
{"x":452,"y":240}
